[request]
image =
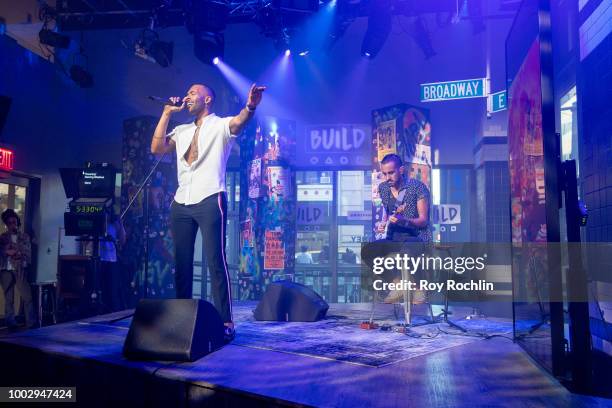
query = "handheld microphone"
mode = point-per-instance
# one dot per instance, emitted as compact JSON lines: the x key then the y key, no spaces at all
{"x":164,"y":101}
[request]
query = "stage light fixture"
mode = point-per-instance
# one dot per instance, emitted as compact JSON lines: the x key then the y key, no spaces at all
{"x":304,"y":53}
{"x":150,"y":48}
{"x":287,"y":52}
{"x":206,"y":20}
{"x":81,"y":76}
{"x":216,"y":60}
{"x":207,"y":46}
{"x":422,"y":38}
{"x":379,"y":27}
{"x":53,"y":39}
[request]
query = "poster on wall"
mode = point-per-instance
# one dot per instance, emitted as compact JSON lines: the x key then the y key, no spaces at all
{"x":419,"y":172}
{"x":422,"y":155}
{"x":525,"y":142}
{"x":385,"y":135}
{"x":377,"y":178}
{"x":279,"y":182}
{"x":247,"y":235}
{"x":274,"y":253}
{"x":255,"y":178}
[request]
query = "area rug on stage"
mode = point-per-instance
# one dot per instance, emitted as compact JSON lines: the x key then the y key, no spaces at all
{"x":339,"y":336}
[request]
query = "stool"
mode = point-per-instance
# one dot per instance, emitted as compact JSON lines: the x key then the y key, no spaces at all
{"x":46,"y":292}
{"x":408,"y":305}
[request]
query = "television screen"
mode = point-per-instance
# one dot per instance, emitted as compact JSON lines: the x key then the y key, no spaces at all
{"x":97,"y":182}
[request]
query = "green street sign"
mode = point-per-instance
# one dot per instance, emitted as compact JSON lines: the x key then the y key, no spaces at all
{"x":463,"y":89}
{"x":497,"y":101}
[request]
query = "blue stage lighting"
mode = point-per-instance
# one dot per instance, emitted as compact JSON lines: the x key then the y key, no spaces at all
{"x":287,"y":53}
{"x":216,"y":60}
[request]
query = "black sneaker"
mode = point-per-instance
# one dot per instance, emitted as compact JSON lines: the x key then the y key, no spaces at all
{"x":229,"y":334}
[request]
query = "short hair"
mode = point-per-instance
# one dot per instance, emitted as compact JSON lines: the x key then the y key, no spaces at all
{"x":209,"y":90}
{"x":9,"y":213}
{"x":392,"y":157}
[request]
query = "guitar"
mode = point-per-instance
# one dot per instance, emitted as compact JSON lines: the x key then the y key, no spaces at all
{"x":396,"y":210}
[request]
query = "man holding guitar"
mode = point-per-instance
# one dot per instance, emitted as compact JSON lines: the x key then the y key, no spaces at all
{"x":406,"y":202}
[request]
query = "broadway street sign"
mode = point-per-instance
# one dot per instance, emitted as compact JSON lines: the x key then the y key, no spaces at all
{"x":443,"y":91}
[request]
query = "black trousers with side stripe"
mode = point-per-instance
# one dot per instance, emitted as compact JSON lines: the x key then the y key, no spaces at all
{"x":210,"y":215}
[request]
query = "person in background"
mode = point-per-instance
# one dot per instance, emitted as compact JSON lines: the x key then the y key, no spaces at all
{"x":303,"y":257}
{"x":114,"y":295}
{"x":15,"y":257}
{"x":324,"y":254}
{"x":349,"y":256}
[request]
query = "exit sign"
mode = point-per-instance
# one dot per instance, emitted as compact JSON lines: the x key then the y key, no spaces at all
{"x":497,"y":101}
{"x":463,"y":89}
{"x":6,"y":159}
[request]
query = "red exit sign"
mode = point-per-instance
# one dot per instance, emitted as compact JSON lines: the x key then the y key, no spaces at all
{"x":6,"y":159}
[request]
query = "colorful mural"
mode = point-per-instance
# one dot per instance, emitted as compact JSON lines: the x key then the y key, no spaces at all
{"x":405,"y":130}
{"x":267,"y":206}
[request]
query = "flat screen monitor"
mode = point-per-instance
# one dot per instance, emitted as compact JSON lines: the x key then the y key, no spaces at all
{"x":96,"y":182}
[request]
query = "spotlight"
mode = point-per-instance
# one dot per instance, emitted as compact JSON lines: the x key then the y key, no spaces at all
{"x":53,"y":39}
{"x":216,"y":60}
{"x":81,"y":77}
{"x":304,"y":53}
{"x":206,"y":20}
{"x":150,"y":48}
{"x":421,"y":36}
{"x":162,"y":52}
{"x":379,"y":27}
{"x":287,"y":52}
{"x":207,"y":46}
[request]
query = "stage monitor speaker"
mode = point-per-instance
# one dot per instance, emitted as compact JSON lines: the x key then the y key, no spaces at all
{"x":287,"y":301}
{"x":173,"y":330}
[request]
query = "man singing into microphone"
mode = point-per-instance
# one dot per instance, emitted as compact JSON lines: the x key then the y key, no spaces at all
{"x":202,"y":149}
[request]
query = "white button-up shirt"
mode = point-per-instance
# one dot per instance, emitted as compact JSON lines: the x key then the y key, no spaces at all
{"x":206,"y":175}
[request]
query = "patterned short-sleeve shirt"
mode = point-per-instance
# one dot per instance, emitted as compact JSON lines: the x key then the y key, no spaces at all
{"x":415,"y":191}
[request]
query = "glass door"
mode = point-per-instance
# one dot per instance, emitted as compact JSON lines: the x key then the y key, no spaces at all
{"x":314,"y":262}
{"x":354,"y":222}
{"x":333,"y":219}
{"x":14,"y":194}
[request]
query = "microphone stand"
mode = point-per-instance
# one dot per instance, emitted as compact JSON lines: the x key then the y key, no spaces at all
{"x":144,"y":185}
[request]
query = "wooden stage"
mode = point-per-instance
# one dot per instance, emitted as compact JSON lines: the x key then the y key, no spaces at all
{"x":87,"y":354}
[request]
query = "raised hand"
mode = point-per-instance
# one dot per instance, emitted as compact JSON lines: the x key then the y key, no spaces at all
{"x":255,"y":95}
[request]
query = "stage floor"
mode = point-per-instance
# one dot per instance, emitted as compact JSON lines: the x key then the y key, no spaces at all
{"x":330,"y":363}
